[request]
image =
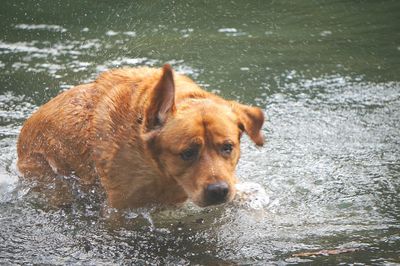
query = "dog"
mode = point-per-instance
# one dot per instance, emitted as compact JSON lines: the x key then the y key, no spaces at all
{"x":148,"y":136}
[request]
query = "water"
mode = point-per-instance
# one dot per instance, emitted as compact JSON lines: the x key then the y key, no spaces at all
{"x":327,"y":75}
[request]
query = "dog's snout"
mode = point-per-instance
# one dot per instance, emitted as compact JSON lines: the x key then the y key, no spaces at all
{"x":217,"y":193}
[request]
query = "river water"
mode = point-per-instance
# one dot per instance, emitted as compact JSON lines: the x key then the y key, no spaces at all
{"x":326,"y":73}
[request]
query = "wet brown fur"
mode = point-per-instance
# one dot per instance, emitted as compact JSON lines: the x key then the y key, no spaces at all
{"x":129,"y":128}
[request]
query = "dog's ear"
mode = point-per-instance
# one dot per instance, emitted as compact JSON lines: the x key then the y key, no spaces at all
{"x":162,"y":99}
{"x":251,"y":120}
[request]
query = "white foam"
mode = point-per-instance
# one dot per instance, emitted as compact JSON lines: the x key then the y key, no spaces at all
{"x":112,"y":33}
{"x":130,"y":33}
{"x":55,"y":28}
{"x":228,"y":30}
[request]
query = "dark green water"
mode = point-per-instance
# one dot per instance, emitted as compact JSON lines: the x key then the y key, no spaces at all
{"x":325,"y":72}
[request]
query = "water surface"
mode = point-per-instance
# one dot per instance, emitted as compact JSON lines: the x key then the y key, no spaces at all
{"x":326,"y":73}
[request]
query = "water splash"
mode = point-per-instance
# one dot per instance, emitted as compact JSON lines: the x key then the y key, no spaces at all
{"x":251,"y":195}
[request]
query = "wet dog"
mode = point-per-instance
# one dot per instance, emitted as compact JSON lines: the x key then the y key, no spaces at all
{"x":150,"y":136}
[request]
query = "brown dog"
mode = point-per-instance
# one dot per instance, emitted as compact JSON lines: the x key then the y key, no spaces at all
{"x":149,"y":135}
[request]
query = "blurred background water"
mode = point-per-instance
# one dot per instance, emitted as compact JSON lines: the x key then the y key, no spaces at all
{"x":326,"y":73}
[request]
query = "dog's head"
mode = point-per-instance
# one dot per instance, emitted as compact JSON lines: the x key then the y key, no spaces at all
{"x":196,"y":141}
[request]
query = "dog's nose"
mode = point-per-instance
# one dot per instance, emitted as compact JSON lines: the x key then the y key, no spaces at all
{"x":216,"y":193}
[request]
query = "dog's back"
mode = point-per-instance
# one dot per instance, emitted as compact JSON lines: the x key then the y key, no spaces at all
{"x":62,"y":136}
{"x":55,"y":139}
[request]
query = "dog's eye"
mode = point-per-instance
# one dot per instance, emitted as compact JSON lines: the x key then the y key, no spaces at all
{"x":189,"y":154}
{"x":227,"y":148}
